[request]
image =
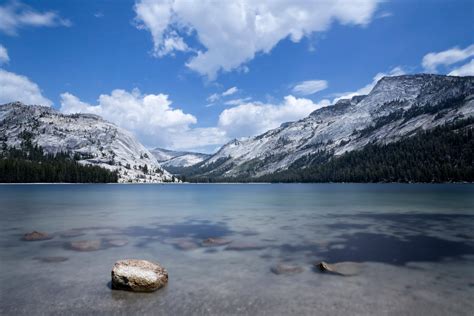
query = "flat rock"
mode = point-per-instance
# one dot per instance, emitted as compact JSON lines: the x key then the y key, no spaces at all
{"x":138,"y":275}
{"x":210,"y":242}
{"x":85,"y":245}
{"x":36,"y":236}
{"x":283,"y":268}
{"x":341,"y":268}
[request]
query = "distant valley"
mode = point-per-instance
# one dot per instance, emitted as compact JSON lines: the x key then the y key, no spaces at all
{"x":175,"y":160}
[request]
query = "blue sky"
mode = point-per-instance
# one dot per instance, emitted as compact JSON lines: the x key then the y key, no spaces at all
{"x":134,"y":62}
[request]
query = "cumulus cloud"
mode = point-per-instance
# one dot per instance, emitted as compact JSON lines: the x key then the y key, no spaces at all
{"x":156,"y":123}
{"x":15,"y":15}
{"x":156,"y":16}
{"x":397,"y":71}
{"x":310,"y":87}
{"x":4,"y":58}
{"x":149,"y":116}
{"x":432,"y":61}
{"x":464,"y":70}
{"x":15,"y":87}
{"x":144,"y":114}
{"x":231,"y":33}
{"x":253,"y":118}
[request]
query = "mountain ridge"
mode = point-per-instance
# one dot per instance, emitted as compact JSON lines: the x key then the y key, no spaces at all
{"x":396,"y":107}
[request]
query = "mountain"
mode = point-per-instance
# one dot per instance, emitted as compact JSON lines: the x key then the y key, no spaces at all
{"x":89,"y":138}
{"x":177,"y":159}
{"x":396,"y":108}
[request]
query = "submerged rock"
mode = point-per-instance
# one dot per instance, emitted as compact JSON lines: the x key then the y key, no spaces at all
{"x":185,"y":244}
{"x":116,"y":242}
{"x":209,"y":242}
{"x":283,"y":268}
{"x":85,"y":245}
{"x":72,"y":233}
{"x":342,"y":268}
{"x":51,"y":259}
{"x":138,"y":275}
{"x":244,"y":246}
{"x":36,"y":236}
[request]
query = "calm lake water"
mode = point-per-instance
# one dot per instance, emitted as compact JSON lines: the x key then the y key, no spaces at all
{"x":413,"y":246}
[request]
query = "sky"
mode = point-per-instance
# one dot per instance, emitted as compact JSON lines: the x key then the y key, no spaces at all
{"x":195,"y":74}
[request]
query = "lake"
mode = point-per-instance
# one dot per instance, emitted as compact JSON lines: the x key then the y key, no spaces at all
{"x":412,"y":245}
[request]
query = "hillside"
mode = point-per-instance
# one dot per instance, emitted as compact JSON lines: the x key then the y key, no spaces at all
{"x":89,"y":138}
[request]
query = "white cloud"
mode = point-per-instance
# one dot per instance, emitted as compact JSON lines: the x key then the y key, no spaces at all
{"x":310,"y":87}
{"x":231,"y":33}
{"x":155,"y":17}
{"x":213,"y":97}
{"x":383,"y":15}
{"x":201,"y":139}
{"x":230,"y":91}
{"x":464,"y":70}
{"x":16,"y":15}
{"x":397,"y":71}
{"x":432,"y":61}
{"x":237,"y":101}
{"x":253,"y":118}
{"x":15,"y":87}
{"x":156,"y":123}
{"x":3,"y":55}
{"x":150,"y":117}
{"x":216,"y":96}
{"x":143,"y":114}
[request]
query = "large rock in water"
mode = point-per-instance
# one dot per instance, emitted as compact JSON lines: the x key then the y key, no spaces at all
{"x":138,"y":275}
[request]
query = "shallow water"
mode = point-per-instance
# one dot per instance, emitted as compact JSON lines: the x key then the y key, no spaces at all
{"x":412,"y":244}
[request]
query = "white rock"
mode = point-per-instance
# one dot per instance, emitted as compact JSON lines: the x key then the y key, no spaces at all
{"x":138,"y":275}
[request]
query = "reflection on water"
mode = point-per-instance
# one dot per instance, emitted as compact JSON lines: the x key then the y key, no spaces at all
{"x":245,"y":249}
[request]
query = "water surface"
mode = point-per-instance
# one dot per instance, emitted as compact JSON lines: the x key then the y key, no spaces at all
{"x":413,"y":245}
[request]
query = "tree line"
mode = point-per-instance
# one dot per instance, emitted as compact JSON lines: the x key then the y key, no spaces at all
{"x":30,"y":164}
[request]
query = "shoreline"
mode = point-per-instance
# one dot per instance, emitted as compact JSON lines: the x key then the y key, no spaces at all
{"x":227,"y":183}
